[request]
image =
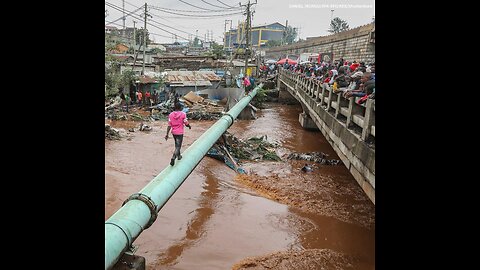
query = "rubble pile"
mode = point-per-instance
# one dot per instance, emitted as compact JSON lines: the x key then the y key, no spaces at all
{"x":317,"y":157}
{"x":231,"y":150}
{"x":254,"y":148}
{"x":200,"y":108}
{"x":111,"y":133}
{"x":195,"y":106}
{"x":119,"y":114}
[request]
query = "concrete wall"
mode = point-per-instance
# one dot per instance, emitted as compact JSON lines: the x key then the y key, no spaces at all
{"x":355,"y":153}
{"x":350,"y":45}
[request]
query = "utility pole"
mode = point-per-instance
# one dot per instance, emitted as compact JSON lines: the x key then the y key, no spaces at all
{"x":230,"y":39}
{"x":284,"y":40}
{"x":229,"y":34}
{"x":144,"y":39}
{"x":225,"y":35}
{"x":123,"y":11}
{"x":196,"y":38}
{"x":247,"y":31}
{"x":134,"y":38}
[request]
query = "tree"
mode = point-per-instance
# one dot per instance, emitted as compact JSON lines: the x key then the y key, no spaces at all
{"x":139,"y":37}
{"x":217,"y":50}
{"x":196,"y":42}
{"x":290,"y":35}
{"x":338,"y":25}
{"x":273,"y":43}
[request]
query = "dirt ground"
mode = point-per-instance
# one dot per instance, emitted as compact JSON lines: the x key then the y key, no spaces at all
{"x":315,"y":192}
{"x":305,"y":259}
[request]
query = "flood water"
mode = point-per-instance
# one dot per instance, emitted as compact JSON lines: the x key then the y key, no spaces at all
{"x":213,"y":221}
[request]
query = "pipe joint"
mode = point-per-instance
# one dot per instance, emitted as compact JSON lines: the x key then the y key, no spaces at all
{"x":233,"y":119}
{"x":127,"y":235}
{"x":148,"y":202}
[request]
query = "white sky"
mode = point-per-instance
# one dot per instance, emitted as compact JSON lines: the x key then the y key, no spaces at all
{"x":311,"y":16}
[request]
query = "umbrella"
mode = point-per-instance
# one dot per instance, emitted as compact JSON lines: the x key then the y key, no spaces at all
{"x":271,"y":61}
{"x":290,"y":61}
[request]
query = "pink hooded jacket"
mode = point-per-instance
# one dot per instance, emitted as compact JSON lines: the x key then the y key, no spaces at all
{"x":176,"y":120}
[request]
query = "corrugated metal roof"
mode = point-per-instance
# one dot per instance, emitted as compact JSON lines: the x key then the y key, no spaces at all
{"x":147,"y":79}
{"x":191,"y":78}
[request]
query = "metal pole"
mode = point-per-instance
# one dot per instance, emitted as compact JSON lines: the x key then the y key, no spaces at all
{"x":247,"y":53}
{"x":134,"y":38}
{"x":140,"y":210}
{"x":144,"y":39}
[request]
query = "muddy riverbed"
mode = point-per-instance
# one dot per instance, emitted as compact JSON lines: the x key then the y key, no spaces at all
{"x":276,"y":215}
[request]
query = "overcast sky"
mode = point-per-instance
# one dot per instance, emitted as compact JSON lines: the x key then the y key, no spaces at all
{"x":312,"y":17}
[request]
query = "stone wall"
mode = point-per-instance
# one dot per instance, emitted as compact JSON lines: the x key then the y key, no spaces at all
{"x":354,"y":44}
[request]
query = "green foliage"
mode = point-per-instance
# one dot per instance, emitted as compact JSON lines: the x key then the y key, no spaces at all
{"x":128,"y":77}
{"x":196,"y":42}
{"x":217,"y":50}
{"x":338,"y":25}
{"x":113,"y":80}
{"x":139,"y":37}
{"x":271,"y":156}
{"x":156,"y":51}
{"x":273,"y":43}
{"x":260,"y":98}
{"x":290,"y":35}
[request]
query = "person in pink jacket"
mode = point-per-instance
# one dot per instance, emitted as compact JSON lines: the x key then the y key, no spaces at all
{"x":176,"y":120}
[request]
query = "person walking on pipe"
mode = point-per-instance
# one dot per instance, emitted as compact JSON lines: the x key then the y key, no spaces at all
{"x":176,"y":120}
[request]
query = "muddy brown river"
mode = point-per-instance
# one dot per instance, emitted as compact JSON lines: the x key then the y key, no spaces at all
{"x":276,"y":217}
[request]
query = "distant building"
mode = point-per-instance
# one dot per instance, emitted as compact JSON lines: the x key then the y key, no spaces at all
{"x":259,"y":36}
{"x":110,"y":29}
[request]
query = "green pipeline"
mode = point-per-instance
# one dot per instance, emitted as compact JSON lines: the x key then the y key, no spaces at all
{"x":138,"y":213}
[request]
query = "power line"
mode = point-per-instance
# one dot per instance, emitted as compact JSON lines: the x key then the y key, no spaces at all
{"x":118,"y":8}
{"x":198,"y":16}
{"x":129,"y":38}
{"x":224,"y":4}
{"x":141,"y":19}
{"x":194,"y":11}
{"x":212,"y":4}
{"x":125,"y":15}
{"x":195,"y":6}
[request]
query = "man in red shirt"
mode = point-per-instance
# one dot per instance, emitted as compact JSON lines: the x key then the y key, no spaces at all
{"x":147,"y":98}
{"x":139,"y":97}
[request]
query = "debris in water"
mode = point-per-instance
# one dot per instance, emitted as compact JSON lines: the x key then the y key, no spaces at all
{"x":307,"y":168}
{"x":317,"y":157}
{"x":231,"y":149}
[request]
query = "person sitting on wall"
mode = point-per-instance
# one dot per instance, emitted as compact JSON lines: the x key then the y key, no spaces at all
{"x":341,"y":80}
{"x":366,"y":86}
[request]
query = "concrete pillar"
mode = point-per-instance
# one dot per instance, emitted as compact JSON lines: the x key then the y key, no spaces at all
{"x":369,"y":119}
{"x":322,"y":99}
{"x":307,"y":122}
{"x":329,"y":103}
{"x":337,"y":111}
{"x":342,"y":103}
{"x":353,"y":109}
{"x":350,"y":111}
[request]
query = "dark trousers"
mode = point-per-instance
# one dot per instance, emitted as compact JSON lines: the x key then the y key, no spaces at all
{"x":178,"y":144}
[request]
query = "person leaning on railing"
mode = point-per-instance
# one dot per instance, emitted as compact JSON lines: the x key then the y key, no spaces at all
{"x":366,"y":86}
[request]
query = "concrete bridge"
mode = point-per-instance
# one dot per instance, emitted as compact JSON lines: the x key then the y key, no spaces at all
{"x":348,"y":126}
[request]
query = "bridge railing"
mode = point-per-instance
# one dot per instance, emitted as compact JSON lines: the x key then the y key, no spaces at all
{"x":360,"y":117}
